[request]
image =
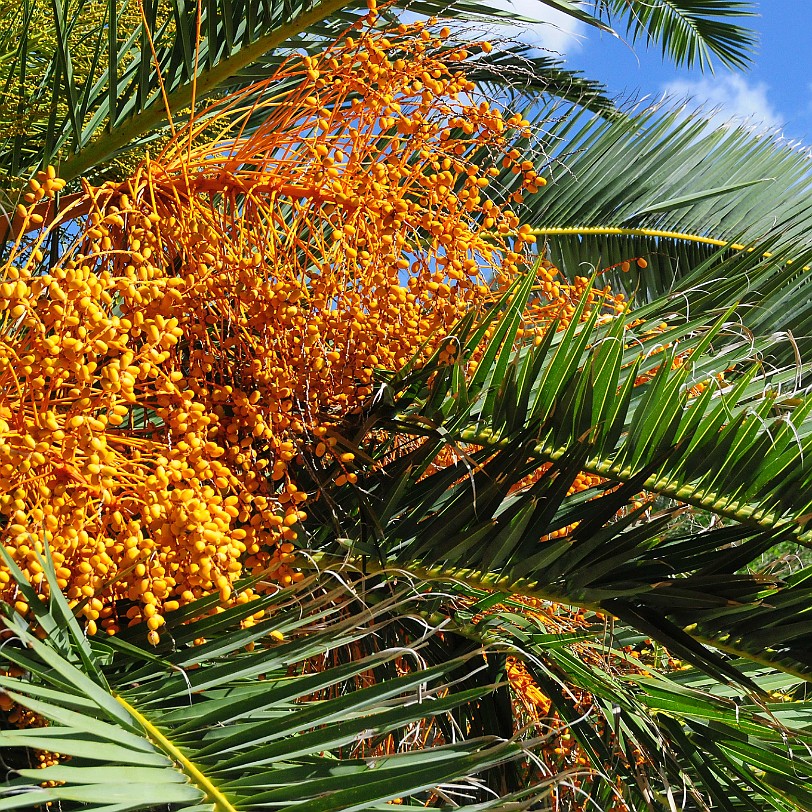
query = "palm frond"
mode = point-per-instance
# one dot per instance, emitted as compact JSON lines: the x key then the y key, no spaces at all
{"x":601,"y":400}
{"x":690,"y":32}
{"x":211,"y":725}
{"x":146,"y":69}
{"x":139,"y":70}
{"x":141,"y":58}
{"x":687,"y":175}
{"x":351,"y":699}
{"x":700,"y":734}
{"x":673,"y":192}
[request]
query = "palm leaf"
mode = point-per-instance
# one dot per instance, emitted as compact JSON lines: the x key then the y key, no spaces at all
{"x":659,"y":189}
{"x":733,"y":452}
{"x":216,"y":727}
{"x":119,"y":100}
{"x":211,"y":726}
{"x":689,"y":31}
{"x":603,"y":211}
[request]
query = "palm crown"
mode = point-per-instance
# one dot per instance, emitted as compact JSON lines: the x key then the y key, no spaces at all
{"x":437,"y":652}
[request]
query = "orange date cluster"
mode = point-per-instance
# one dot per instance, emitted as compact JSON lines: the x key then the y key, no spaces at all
{"x":206,"y":319}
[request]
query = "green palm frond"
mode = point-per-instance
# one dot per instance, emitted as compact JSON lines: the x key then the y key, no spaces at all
{"x":703,"y":735}
{"x":120,"y":100}
{"x":95,"y":91}
{"x":687,"y":175}
{"x":350,"y":698}
{"x":690,"y":32}
{"x":673,"y":191}
{"x":575,"y":403}
{"x":212,"y":726}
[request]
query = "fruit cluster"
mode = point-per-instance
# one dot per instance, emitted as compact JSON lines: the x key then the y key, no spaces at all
{"x":221,"y":309}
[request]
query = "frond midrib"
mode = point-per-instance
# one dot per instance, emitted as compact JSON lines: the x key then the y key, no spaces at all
{"x":707,"y":499}
{"x":617,"y":231}
{"x":653,"y":233}
{"x":154,"y":115}
{"x":197,"y":777}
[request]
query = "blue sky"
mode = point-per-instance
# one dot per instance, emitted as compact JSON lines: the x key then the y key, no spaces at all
{"x":777,"y":90}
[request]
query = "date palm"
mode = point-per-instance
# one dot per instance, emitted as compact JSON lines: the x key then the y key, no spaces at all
{"x":387,"y":676}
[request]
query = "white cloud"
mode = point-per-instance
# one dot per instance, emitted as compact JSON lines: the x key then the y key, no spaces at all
{"x":729,"y":98}
{"x":556,"y":31}
{"x":551,"y":30}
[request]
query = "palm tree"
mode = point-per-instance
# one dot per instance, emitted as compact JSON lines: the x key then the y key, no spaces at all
{"x":430,"y":656}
